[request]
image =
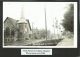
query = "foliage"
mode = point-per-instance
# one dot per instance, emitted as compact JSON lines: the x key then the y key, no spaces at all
{"x":68,"y":22}
{"x":38,"y":34}
{"x":7,"y":32}
{"x":12,"y":32}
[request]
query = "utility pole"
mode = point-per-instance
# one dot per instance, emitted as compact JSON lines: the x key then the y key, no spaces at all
{"x":32,"y":27}
{"x":32,"y":31}
{"x":57,"y":27}
{"x":45,"y":21}
{"x":54,"y":26}
{"x":56,"y":23}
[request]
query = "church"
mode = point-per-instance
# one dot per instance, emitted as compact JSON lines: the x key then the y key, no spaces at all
{"x":17,"y":30}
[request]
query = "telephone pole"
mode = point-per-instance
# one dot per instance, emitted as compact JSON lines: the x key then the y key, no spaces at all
{"x":45,"y":21}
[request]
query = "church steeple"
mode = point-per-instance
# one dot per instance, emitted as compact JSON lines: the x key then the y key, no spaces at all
{"x":22,"y":17}
{"x":22,"y":13}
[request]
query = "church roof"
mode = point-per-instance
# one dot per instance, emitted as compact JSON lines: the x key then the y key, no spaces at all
{"x":14,"y":22}
{"x":28,"y":23}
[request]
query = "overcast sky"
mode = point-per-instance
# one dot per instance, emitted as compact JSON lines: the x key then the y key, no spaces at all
{"x":34,"y":11}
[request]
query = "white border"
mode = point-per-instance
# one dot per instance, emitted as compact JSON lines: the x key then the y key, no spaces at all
{"x":75,"y":36}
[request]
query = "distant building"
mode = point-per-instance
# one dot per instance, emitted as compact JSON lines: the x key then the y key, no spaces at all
{"x":16,"y":29}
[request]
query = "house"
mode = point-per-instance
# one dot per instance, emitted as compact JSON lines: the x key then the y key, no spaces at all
{"x":16,"y":29}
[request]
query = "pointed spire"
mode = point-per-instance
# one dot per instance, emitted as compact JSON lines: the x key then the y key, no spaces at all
{"x":22,"y":12}
{"x":22,"y":19}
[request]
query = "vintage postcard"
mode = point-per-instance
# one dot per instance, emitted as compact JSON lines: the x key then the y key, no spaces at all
{"x":39,"y":24}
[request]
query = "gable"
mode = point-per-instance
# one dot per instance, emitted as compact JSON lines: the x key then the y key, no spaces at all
{"x":12,"y":23}
{"x":9,"y":22}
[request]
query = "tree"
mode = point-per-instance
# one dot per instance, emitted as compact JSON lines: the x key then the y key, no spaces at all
{"x":68,"y":22}
{"x":7,"y":32}
{"x":40,"y":33}
{"x":12,"y":33}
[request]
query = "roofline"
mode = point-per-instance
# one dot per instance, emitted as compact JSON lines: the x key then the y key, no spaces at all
{"x":19,"y":23}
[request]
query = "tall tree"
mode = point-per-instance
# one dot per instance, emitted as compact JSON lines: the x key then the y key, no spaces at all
{"x":68,"y":22}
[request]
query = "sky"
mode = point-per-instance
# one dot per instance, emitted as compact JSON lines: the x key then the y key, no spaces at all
{"x":34,"y":12}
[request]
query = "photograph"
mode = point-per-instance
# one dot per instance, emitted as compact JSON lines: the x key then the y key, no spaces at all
{"x":39,"y":25}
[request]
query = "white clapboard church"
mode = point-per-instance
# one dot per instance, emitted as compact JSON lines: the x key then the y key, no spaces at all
{"x":17,"y":30}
